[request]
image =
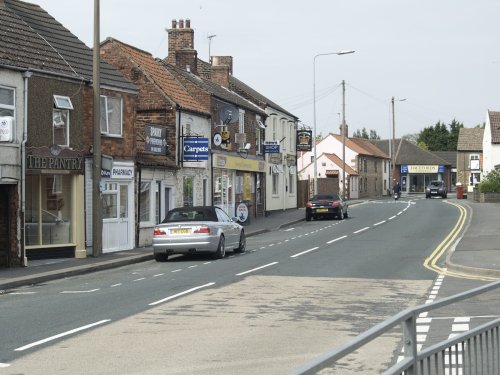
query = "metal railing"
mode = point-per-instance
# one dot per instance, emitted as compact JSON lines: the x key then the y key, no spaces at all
{"x":474,"y":352}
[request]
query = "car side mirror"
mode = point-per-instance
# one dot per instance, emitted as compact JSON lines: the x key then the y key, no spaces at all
{"x":234,"y":219}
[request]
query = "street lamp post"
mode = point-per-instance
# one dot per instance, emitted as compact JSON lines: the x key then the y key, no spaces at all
{"x":315,"y":187}
{"x":392,"y":144}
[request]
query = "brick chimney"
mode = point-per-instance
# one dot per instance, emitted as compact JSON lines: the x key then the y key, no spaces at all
{"x":222,"y":67}
{"x":181,"y":52}
{"x":346,"y":130}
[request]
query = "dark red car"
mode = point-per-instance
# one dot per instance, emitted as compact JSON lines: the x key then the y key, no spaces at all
{"x":326,"y":205}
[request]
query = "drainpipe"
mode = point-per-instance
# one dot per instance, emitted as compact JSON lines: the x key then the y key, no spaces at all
{"x":26,"y":75}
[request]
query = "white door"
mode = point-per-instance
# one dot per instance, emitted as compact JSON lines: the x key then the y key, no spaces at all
{"x":116,"y":228}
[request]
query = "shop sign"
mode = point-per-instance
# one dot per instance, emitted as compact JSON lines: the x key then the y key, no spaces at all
{"x":421,"y":169}
{"x":242,"y":212}
{"x":237,"y":163}
{"x":195,"y":149}
{"x":271,"y":147}
{"x":156,"y":139}
{"x":275,"y":158}
{"x":122,"y":173}
{"x":304,"y":140}
{"x":54,"y":159}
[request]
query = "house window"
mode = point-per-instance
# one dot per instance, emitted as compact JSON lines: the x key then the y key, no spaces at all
{"x":365,"y":162}
{"x":474,"y":162}
{"x":274,"y":128}
{"x":283,"y":125}
{"x":375,"y":164}
{"x":292,"y":137}
{"x":187,"y":188}
{"x":62,"y":102}
{"x":312,"y":158}
{"x":60,"y":120}
{"x":7,"y":104}
{"x":111,"y":116}
{"x":60,"y":127}
{"x":474,"y":178}
{"x":145,"y":201}
{"x":258,"y":134}
{"x":366,"y":184}
{"x":242,"y":121}
{"x":385,"y":167}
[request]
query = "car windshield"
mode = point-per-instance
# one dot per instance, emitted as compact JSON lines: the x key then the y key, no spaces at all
{"x":435,"y":183}
{"x":326,"y":197}
{"x":190,"y":214}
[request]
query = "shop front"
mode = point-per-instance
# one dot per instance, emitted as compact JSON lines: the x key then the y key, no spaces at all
{"x":414,"y":178}
{"x":238,"y":181}
{"x":54,"y":221}
{"x":118,"y":210}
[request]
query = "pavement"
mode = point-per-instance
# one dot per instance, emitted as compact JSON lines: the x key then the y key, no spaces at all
{"x":477,"y":251}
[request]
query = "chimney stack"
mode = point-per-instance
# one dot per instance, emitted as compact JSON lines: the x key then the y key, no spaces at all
{"x":346,"y":130}
{"x":181,"y":52}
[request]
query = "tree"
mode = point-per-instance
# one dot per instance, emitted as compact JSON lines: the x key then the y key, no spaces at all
{"x":439,"y":138}
{"x":412,"y":138}
{"x":364,"y":134}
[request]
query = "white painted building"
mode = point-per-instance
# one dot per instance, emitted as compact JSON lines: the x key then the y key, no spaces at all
{"x":491,"y":142}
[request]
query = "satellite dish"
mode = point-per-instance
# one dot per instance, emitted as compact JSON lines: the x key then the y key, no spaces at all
{"x":228,"y":114}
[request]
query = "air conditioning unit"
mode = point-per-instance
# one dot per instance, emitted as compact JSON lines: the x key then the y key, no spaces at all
{"x":6,"y":128}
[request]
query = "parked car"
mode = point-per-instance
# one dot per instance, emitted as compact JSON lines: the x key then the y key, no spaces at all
{"x":326,"y":205}
{"x":436,"y":188}
{"x":193,"y":230}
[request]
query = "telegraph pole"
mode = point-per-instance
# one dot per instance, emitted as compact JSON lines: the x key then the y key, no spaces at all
{"x":96,"y":160}
{"x":343,"y":139}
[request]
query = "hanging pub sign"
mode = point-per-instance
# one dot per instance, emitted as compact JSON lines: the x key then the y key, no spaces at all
{"x":195,"y":149}
{"x":304,"y":140}
{"x":155,"y":140}
{"x":271,"y":147}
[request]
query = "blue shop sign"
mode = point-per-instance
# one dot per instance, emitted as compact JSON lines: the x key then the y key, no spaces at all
{"x":271,"y":149}
{"x":404,"y":168}
{"x":195,"y":149}
{"x":441,"y":169}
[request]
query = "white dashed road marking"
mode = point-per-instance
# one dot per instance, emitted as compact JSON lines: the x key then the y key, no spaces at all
{"x":256,"y":269}
{"x":79,"y":291}
{"x":304,"y":252}
{"x":62,"y":335}
{"x":336,"y":239}
{"x":181,"y":294}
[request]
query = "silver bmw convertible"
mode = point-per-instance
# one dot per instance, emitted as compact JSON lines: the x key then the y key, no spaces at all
{"x":202,"y":229}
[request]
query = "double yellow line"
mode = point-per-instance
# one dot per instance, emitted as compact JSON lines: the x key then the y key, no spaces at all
{"x":431,"y":262}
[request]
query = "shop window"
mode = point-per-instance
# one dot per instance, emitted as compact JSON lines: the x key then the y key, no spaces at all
{"x":7,"y":104}
{"x":145,"y":201}
{"x":48,"y":210}
{"x":111,"y":116}
{"x":291,"y":183}
{"x":188,"y":191}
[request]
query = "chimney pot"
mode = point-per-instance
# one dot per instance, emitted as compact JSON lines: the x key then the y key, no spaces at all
{"x":181,"y":24}
{"x":188,"y":23}
{"x":174,"y":24}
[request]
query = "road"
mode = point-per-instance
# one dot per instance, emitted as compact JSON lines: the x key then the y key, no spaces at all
{"x":293,"y":295}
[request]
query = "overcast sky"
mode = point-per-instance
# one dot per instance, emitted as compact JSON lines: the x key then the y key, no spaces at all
{"x":442,"y":56}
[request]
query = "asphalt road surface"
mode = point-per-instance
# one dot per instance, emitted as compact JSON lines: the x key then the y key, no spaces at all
{"x":295,"y":294}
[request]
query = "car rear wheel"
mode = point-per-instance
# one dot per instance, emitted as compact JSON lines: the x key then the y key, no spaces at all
{"x":242,"y":244}
{"x":161,"y":257}
{"x":221,"y":249}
